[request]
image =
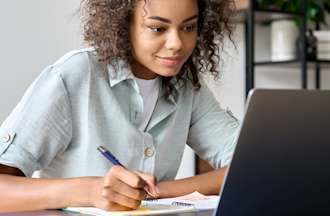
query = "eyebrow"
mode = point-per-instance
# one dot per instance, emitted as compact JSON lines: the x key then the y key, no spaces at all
{"x":169,"y":21}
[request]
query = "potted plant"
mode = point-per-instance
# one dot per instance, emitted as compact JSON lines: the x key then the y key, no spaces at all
{"x":285,"y":32}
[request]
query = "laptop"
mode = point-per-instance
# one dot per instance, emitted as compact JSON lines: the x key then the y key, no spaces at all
{"x":281,"y":165}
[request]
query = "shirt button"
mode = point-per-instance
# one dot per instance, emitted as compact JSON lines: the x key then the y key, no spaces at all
{"x":5,"y":138}
{"x":149,"y":152}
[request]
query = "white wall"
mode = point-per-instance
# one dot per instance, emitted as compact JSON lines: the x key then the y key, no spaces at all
{"x":33,"y":35}
{"x":229,"y":89}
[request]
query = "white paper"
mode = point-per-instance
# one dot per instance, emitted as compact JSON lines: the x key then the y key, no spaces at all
{"x":188,"y":203}
{"x":142,"y":210}
{"x":196,"y":199}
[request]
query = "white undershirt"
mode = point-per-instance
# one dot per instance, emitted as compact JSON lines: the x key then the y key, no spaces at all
{"x":149,"y":90}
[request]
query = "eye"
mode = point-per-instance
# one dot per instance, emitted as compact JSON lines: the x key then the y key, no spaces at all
{"x":189,"y":28}
{"x":157,"y":29}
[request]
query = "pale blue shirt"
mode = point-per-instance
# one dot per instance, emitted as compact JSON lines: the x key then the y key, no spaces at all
{"x":70,"y":109}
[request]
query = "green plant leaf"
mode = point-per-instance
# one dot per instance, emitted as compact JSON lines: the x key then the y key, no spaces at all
{"x":314,"y":12}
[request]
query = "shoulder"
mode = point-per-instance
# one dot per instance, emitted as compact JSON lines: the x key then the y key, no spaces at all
{"x":76,"y":63}
{"x":76,"y":66}
{"x":74,"y":56}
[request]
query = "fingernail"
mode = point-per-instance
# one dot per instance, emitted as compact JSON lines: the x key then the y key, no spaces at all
{"x":153,"y":194}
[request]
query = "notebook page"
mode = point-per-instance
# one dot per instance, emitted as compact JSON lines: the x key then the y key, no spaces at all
{"x":143,"y":210}
{"x":196,"y":199}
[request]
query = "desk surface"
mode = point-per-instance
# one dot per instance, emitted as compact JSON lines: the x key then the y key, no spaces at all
{"x":61,"y":213}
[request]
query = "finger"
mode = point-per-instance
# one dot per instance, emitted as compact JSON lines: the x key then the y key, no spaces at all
{"x":150,"y":179}
{"x":126,"y":190}
{"x":120,"y":199}
{"x":151,"y":187}
{"x":126,"y":176}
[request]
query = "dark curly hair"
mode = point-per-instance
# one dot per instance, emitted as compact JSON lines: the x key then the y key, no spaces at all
{"x":105,"y":25}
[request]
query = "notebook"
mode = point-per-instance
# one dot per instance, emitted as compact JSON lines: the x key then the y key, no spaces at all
{"x":188,"y":203}
{"x":196,"y":199}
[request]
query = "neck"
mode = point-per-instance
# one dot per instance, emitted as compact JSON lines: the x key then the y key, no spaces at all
{"x":143,"y":73}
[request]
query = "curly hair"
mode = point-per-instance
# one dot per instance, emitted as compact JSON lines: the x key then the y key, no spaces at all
{"x":105,"y":26}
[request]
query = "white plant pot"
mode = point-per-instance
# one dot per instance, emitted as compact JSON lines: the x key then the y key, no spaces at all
{"x":284,"y":34}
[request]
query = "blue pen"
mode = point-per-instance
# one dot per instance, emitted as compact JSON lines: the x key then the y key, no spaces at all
{"x":106,"y":153}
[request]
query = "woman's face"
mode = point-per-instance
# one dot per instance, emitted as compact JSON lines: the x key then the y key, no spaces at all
{"x":163,"y":35}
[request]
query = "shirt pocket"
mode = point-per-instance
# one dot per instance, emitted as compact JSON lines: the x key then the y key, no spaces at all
{"x":6,"y":138}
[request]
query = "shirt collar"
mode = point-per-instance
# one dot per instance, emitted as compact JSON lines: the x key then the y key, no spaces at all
{"x":119,"y":71}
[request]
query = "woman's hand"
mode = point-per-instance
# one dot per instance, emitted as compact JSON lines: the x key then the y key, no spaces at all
{"x":122,"y":189}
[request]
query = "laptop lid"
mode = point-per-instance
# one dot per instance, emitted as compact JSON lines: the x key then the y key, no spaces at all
{"x":281,"y":164}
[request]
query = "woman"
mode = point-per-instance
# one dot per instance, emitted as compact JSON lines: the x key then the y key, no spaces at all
{"x":137,"y":92}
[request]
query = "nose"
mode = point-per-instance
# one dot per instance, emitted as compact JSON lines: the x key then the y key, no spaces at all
{"x":174,"y":41}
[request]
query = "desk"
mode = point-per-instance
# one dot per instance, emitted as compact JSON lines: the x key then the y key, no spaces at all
{"x":62,"y":213}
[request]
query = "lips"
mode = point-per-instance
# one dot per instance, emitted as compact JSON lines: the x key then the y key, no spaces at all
{"x":170,"y":61}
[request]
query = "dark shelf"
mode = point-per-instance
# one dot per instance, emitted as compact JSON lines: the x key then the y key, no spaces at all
{"x":264,"y":63}
{"x":276,"y":62}
{"x":323,"y":61}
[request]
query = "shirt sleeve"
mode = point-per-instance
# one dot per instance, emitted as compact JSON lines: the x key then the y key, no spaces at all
{"x":213,"y":131}
{"x":39,"y":127}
